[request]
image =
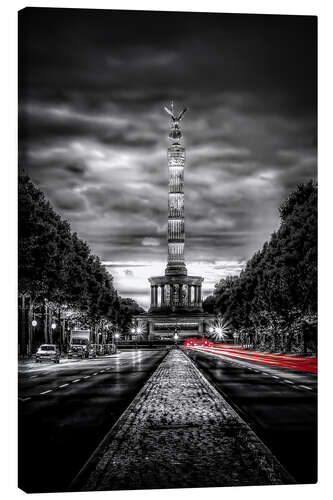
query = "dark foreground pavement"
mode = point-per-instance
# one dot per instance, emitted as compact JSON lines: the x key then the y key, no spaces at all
{"x":279,"y":404}
{"x":179,"y":432}
{"x":65,"y":411}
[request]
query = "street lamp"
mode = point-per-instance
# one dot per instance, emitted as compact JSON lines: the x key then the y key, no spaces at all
{"x":32,"y":338}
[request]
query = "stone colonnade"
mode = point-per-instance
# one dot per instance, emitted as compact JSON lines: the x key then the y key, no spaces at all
{"x":179,"y":294}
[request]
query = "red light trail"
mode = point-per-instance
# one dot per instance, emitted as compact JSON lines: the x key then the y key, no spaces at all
{"x":291,"y":361}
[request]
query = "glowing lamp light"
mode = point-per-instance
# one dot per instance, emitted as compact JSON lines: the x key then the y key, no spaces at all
{"x":34,"y":322}
{"x":53,"y":326}
{"x":132,"y":330}
{"x":116,"y":336}
{"x":218,"y":330}
{"x":139,"y":330}
{"x":211,"y":329}
{"x":176,"y":336}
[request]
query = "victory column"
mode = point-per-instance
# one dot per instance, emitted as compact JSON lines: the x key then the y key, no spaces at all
{"x":176,"y":298}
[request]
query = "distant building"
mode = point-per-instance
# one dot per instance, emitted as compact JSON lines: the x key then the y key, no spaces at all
{"x":176,"y":298}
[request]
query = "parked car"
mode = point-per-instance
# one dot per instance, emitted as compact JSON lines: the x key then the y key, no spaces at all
{"x":110,"y":348}
{"x":48,"y":352}
{"x":92,"y":352}
{"x":79,"y":343}
{"x":100,"y":350}
{"x":78,"y":351}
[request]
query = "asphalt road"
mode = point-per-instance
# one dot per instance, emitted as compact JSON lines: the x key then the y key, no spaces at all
{"x":279,"y":404}
{"x":66,"y":409}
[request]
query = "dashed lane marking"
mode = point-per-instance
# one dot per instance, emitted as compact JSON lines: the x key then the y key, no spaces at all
{"x":87,"y":376}
{"x":45,"y":392}
{"x":24,"y":399}
{"x":77,"y":380}
{"x":305,"y":387}
{"x":288,"y":382}
{"x":63,"y":385}
{"x":274,"y":376}
{"x":95,"y":373}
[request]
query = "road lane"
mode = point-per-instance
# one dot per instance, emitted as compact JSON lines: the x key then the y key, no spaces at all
{"x":50,"y":376}
{"x":67,"y":409}
{"x":279,"y":404}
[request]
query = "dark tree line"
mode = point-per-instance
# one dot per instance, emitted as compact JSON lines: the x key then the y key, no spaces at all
{"x":272,"y":304}
{"x":57,"y":268}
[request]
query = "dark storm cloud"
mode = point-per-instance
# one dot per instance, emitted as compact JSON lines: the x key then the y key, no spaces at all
{"x":93,"y":132}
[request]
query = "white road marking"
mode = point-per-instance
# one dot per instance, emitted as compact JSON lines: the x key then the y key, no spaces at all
{"x":63,"y":385}
{"x":264,"y":373}
{"x":95,"y":373}
{"x":274,"y":376}
{"x":101,"y":371}
{"x":288,"y":382}
{"x":87,"y":376}
{"x":45,"y":392}
{"x":305,"y":387}
{"x":24,"y":399}
{"x":77,"y":380}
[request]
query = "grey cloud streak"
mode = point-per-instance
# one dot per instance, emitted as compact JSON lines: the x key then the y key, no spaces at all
{"x":93,"y":131}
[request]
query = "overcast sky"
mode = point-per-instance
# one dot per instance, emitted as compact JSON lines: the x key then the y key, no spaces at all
{"x":93,"y":133}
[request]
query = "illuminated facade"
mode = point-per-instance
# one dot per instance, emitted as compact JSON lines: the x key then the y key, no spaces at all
{"x":176,"y":298}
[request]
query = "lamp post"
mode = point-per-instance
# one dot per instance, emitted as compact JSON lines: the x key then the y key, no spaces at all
{"x":176,"y":335}
{"x":53,"y":327}
{"x":133,"y":333}
{"x":33,"y":324}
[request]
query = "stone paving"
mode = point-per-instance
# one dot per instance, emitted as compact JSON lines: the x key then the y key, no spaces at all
{"x":180,"y":432}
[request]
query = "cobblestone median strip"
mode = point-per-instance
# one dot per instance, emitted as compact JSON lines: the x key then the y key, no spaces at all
{"x":180,"y":432}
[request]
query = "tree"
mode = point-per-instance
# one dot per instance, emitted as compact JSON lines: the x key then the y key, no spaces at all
{"x":127,"y":309}
{"x":55,"y":265}
{"x":208,"y":304}
{"x":278,"y":287}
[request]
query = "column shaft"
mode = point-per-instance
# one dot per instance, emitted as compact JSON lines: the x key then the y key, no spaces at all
{"x":189,"y":288}
{"x":171,"y":295}
{"x":180,"y":293}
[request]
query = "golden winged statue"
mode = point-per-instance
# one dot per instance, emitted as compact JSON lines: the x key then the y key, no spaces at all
{"x":171,"y":112}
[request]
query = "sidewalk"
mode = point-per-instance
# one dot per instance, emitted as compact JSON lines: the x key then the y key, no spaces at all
{"x":179,"y":432}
